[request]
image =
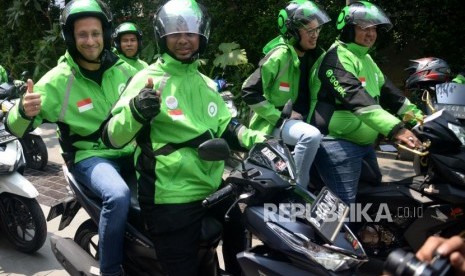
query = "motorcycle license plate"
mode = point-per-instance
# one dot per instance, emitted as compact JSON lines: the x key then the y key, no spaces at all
{"x":6,"y":137}
{"x":327,"y":214}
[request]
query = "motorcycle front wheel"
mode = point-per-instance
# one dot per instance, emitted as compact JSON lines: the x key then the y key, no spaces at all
{"x":23,"y":222}
{"x":35,"y":151}
{"x":87,"y":238}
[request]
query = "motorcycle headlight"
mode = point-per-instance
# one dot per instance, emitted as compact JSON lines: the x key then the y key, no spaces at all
{"x":459,"y":131}
{"x":326,"y":256}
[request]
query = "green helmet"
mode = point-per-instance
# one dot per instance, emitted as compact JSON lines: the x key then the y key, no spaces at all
{"x":76,"y":9}
{"x":127,"y":28}
{"x":364,"y":14}
{"x":181,"y":16}
{"x":297,"y":14}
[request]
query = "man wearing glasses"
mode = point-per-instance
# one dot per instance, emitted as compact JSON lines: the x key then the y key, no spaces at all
{"x":78,"y":95}
{"x":284,"y":74}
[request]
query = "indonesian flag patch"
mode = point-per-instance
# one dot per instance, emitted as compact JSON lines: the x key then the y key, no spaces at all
{"x":84,"y":105}
{"x":284,"y":86}
{"x":363,"y":81}
{"x":176,"y":114}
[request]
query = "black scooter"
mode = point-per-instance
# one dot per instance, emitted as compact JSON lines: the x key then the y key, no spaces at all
{"x":300,"y":234}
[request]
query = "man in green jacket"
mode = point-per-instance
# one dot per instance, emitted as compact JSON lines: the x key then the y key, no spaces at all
{"x":356,"y":102}
{"x":127,"y":39}
{"x":178,"y":109}
{"x":78,"y":95}
{"x":284,"y":74}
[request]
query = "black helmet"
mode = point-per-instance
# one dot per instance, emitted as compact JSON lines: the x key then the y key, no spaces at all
{"x":297,"y":14}
{"x":76,"y":9}
{"x":181,"y":16}
{"x":363,"y":14}
{"x":127,"y":28}
{"x":426,"y":72}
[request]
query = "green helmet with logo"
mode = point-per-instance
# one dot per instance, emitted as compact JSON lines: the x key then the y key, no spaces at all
{"x":77,"y":9}
{"x":127,"y":28}
{"x":181,"y":16}
{"x":297,"y":14}
{"x":364,"y":14}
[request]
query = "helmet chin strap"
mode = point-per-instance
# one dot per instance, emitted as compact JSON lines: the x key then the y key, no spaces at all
{"x":299,"y":47}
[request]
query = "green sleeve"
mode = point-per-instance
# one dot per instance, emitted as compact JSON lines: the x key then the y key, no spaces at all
{"x":459,"y":79}
{"x":3,"y":75}
{"x":123,"y":127}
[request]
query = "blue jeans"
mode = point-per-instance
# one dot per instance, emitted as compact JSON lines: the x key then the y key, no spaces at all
{"x":102,"y":176}
{"x":339,"y":163}
{"x":306,"y":139}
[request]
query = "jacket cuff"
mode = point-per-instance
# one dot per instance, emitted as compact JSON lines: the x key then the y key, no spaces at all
{"x":21,"y":110}
{"x":395,"y":130}
{"x":136,"y":114}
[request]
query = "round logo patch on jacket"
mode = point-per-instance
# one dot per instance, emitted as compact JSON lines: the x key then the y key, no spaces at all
{"x":212,"y":109}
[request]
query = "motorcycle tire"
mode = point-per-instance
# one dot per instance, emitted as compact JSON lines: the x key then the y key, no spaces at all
{"x":23,"y":222}
{"x":35,"y":152}
{"x":87,"y":238}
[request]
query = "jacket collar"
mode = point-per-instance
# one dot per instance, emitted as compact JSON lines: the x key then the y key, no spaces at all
{"x":173,"y":66}
{"x":108,"y":60}
{"x":356,"y":49}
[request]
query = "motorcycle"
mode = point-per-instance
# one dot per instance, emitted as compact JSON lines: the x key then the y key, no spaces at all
{"x":34,"y":147}
{"x":79,"y":256}
{"x":429,"y":87}
{"x":404,"y":213}
{"x":21,"y":217}
{"x":300,"y":234}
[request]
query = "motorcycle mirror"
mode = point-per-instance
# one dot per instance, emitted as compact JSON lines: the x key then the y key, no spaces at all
{"x":214,"y":150}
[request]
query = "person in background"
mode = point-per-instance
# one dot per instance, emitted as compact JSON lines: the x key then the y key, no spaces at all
{"x":284,"y":74}
{"x":170,"y":108}
{"x":356,"y":102}
{"x":78,"y":95}
{"x":127,"y":39}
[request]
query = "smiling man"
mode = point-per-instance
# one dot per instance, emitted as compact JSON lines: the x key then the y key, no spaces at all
{"x":284,"y":74}
{"x":127,"y":40}
{"x":78,"y":95}
{"x":355,"y":102}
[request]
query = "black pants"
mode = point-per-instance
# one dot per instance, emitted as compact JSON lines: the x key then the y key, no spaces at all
{"x":176,"y":229}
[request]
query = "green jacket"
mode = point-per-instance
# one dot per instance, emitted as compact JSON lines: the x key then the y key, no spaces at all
{"x":274,"y":82}
{"x":460,"y":78}
{"x":356,"y":100}
{"x":192,"y":111}
{"x":78,"y":105}
{"x":135,"y":62}
{"x":3,"y":75}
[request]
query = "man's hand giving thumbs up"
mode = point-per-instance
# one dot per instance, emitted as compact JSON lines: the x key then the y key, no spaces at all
{"x":146,"y":104}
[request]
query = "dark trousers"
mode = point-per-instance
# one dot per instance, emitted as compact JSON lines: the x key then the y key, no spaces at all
{"x":176,"y":230}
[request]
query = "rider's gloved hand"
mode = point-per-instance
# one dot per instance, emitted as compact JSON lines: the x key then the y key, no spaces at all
{"x":146,"y":105}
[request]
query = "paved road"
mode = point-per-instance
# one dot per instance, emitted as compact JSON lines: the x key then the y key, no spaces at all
{"x":52,"y":188}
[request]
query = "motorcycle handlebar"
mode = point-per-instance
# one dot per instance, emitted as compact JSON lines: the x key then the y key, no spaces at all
{"x":218,"y":196}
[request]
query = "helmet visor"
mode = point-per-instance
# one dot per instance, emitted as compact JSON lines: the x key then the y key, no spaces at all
{"x":369,"y":15}
{"x":307,"y":12}
{"x":181,"y":16}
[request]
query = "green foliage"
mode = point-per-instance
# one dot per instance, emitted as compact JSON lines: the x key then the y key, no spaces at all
{"x":31,"y":37}
{"x":231,"y":64}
